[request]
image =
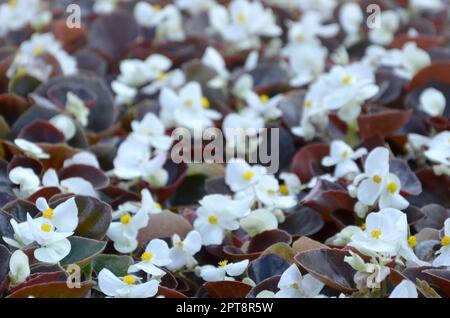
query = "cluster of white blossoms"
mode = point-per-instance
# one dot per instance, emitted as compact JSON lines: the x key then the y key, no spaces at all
{"x":28,"y":58}
{"x":16,"y":14}
{"x":48,"y":232}
{"x":29,"y":182}
{"x":142,"y":155}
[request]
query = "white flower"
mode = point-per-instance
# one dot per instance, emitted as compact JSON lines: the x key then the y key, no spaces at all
{"x":105,"y":6}
{"x":310,"y":28}
{"x":215,"y":61}
{"x":385,"y":233}
{"x":243,"y":22}
{"x":389,"y":24}
{"x":134,"y":73}
{"x":64,"y":217}
{"x":225,"y":271}
{"x":259,"y":221}
{"x":240,"y":175}
{"x":342,"y":156}
{"x":134,"y":161}
{"x":293,"y":285}
{"x":182,"y":252}
{"x":152,"y":132}
{"x":390,"y":197}
{"x":267,"y":191}
{"x":438,"y":146}
{"x":65,"y":125}
{"x":75,"y":185}
{"x":26,"y":179}
{"x":432,"y":102}
{"x":147,"y":204}
{"x":351,"y":17}
{"x":171,"y":28}
{"x":218,"y":213}
{"x":306,"y":62}
{"x":343,"y":237}
{"x":427,"y":5}
{"x":189,"y":108}
{"x":36,"y":46}
{"x":17,"y":14}
{"x":406,"y":289}
{"x":124,"y":93}
{"x":414,"y":59}
{"x":148,"y":15}
{"x":194,"y":6}
{"x":374,"y":178}
{"x":30,"y":149}
{"x":76,"y":107}
{"x":242,"y":86}
{"x":322,"y":7}
{"x":22,"y":236}
{"x":313,"y":182}
{"x":291,"y":184}
{"x":242,"y":131}
{"x":264,"y":105}
{"x":124,"y":233}
{"x":443,"y":258}
{"x":82,"y":158}
{"x":19,"y":267}
{"x":370,"y":274}
{"x":54,"y":245}
{"x":127,"y":287}
{"x":173,"y":79}
{"x":156,"y":255}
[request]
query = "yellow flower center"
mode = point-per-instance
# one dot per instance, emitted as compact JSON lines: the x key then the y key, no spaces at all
{"x":241,"y":18}
{"x":223,"y":263}
{"x":125,"y":219}
{"x":308,"y":103}
{"x":48,"y":214}
{"x":180,"y":244}
{"x":12,"y":3}
{"x":146,"y":257}
{"x":392,"y":187}
{"x":363,"y":226}
{"x":300,"y":37}
{"x":158,"y":206}
{"x":347,"y":79}
{"x":205,"y":102}
{"x":295,"y":286}
{"x":157,"y":7}
{"x":284,"y":189}
{"x":188,"y":103}
{"x":445,"y":240}
{"x":21,"y":71}
{"x":46,"y":227}
{"x":412,"y":241}
{"x":213,"y":219}
{"x":271,"y":192}
{"x":248,"y":175}
{"x":376,"y":234}
{"x":161,"y":76}
{"x":345,"y":154}
{"x":377,"y":179}
{"x":38,"y":50}
{"x":264,"y":98}
{"x":129,"y":279}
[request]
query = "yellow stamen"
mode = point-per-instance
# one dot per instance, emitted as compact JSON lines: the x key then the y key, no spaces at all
{"x":213,"y":219}
{"x":271,"y":192}
{"x":295,"y":286}
{"x":12,"y":3}
{"x":377,"y":179}
{"x":392,"y":187}
{"x":308,"y":103}
{"x":21,"y":71}
{"x":248,"y":175}
{"x":46,"y":227}
{"x":264,"y":98}
{"x":38,"y":50}
{"x":48,"y":214}
{"x":345,"y":153}
{"x":346,"y":80}
{"x":241,"y":18}
{"x":363,"y":226}
{"x":180,"y":244}
{"x":223,"y":263}
{"x":146,"y":257}
{"x":129,"y":280}
{"x":161,"y":76}
{"x":284,"y":189}
{"x":125,"y":219}
{"x":412,"y":241}
{"x":157,"y":7}
{"x":445,"y":240}
{"x":188,"y":103}
{"x":158,"y":206}
{"x":376,"y":234}
{"x":300,"y":37}
{"x":205,"y":102}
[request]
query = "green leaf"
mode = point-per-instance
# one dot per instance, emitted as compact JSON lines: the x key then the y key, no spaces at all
{"x":118,"y":264}
{"x":83,"y":250}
